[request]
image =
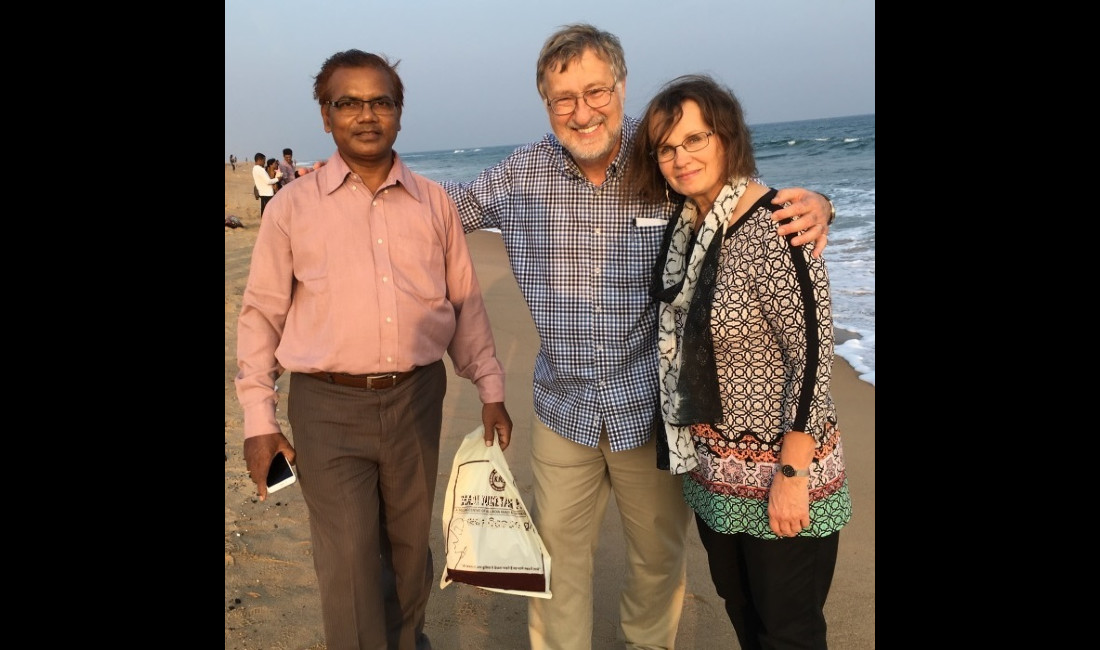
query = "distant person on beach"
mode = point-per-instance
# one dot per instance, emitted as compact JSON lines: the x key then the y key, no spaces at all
{"x":286,"y":165}
{"x":274,"y":171}
{"x":363,"y":331}
{"x":264,"y":182}
{"x":233,"y":162}
{"x":746,"y":355}
{"x":582,"y":250}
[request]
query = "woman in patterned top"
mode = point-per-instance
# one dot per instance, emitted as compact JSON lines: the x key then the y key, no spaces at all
{"x":746,"y":354}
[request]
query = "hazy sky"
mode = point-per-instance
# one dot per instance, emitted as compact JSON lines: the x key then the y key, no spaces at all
{"x":469,"y":65}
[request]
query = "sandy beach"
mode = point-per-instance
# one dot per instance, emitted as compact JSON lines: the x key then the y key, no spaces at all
{"x":271,"y":598}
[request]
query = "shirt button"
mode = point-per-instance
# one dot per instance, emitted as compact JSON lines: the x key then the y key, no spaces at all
{"x":385,"y":278}
{"x":379,"y":240}
{"x":388,"y":319}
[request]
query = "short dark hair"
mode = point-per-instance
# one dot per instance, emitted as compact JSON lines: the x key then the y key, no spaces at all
{"x":259,"y":158}
{"x":357,"y":59}
{"x":288,"y":152}
{"x":720,"y":109}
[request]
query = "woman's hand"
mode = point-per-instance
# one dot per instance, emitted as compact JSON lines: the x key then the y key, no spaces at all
{"x":789,"y":505}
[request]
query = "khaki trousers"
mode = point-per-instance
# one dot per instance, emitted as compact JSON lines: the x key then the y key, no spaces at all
{"x":572,"y":484}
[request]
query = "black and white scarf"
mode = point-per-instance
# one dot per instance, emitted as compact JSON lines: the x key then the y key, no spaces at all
{"x":688,"y":376}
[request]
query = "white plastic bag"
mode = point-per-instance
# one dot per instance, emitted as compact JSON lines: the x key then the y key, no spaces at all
{"x":490,"y":538}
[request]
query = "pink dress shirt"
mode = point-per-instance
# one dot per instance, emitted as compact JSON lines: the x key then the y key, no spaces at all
{"x":343,"y":280}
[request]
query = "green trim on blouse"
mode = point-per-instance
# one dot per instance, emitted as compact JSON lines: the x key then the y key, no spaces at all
{"x":733,"y":514}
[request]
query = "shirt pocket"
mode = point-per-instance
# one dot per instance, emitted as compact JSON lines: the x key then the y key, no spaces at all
{"x":420,"y":265}
{"x":644,"y":242}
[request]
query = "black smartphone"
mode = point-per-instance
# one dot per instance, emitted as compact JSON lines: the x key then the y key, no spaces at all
{"x":280,"y":474}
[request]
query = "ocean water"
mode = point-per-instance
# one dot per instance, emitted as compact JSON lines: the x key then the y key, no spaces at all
{"x":835,"y":156}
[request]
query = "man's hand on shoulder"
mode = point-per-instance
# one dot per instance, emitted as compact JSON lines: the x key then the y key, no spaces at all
{"x":809,"y":213}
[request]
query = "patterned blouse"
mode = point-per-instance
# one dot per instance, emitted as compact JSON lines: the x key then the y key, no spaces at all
{"x":772,"y":327}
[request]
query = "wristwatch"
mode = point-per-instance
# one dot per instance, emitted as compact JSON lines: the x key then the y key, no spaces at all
{"x":832,"y":210}
{"x":791,"y":472}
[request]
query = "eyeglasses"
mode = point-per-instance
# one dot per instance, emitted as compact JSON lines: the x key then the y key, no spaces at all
{"x":351,"y":106}
{"x":694,"y":142}
{"x":595,"y":98}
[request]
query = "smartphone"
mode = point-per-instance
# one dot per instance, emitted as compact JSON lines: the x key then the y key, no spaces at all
{"x":280,"y":474}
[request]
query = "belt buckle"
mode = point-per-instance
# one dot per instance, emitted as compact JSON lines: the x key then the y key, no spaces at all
{"x":392,"y":377}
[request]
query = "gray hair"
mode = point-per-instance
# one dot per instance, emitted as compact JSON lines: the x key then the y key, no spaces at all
{"x":569,"y":44}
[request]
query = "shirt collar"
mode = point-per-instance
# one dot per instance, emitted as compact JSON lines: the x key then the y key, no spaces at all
{"x":335,"y":171}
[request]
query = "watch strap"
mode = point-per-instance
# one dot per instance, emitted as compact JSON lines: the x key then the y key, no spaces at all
{"x":791,"y":472}
{"x":832,"y":209}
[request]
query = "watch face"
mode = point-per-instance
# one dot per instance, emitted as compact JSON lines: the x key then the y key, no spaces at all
{"x":788,"y":471}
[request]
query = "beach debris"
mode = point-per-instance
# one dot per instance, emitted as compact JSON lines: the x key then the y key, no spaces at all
{"x":232,"y":221}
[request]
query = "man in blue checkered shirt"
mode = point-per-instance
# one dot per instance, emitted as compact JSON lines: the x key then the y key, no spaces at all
{"x":582,"y":251}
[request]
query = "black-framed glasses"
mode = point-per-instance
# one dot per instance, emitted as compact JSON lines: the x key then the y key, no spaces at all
{"x":694,"y":142}
{"x":594,"y":97}
{"x":352,"y":106}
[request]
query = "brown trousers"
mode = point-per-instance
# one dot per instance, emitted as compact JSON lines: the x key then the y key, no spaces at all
{"x":367,"y":464}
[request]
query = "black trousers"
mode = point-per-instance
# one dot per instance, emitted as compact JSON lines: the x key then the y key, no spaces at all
{"x":775,"y":589}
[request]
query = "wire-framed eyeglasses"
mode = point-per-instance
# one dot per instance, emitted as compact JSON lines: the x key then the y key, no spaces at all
{"x":694,"y":142}
{"x":594,"y":97}
{"x":353,"y":106}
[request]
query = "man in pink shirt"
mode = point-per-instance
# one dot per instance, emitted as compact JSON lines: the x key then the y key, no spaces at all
{"x":360,"y":281}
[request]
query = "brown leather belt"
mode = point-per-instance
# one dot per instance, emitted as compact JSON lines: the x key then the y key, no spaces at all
{"x":373,"y":382}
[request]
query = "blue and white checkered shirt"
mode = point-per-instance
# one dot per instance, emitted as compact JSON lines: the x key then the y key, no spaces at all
{"x":582,"y":256}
